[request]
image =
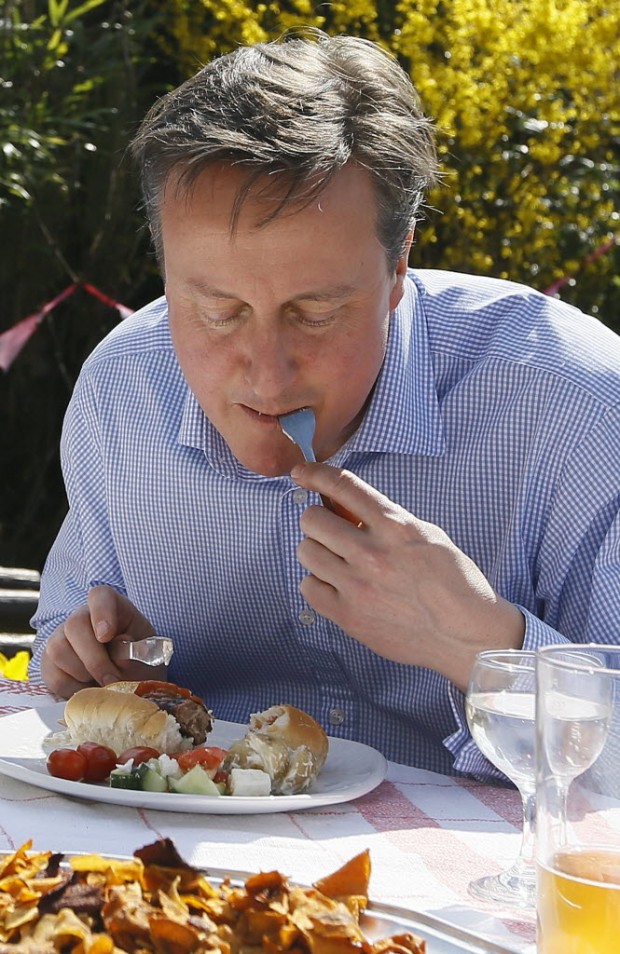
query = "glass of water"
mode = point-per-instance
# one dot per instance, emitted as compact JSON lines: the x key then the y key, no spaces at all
{"x":501,"y":709}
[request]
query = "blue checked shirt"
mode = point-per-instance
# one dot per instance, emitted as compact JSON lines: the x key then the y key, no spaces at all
{"x":496,"y":415}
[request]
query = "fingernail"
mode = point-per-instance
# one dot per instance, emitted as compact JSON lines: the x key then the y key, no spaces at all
{"x":102,"y":629}
{"x":296,"y":471}
{"x":109,"y":678}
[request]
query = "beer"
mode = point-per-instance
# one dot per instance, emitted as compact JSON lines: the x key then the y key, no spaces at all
{"x":579,"y":903}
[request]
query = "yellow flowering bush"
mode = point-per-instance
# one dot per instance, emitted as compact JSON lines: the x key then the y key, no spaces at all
{"x":525,"y":95}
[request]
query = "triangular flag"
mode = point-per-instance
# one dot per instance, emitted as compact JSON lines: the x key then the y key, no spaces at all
{"x":13,"y":340}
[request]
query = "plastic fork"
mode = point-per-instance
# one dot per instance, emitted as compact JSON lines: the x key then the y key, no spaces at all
{"x":152,"y":651}
{"x":143,"y":658}
{"x":299,"y":428}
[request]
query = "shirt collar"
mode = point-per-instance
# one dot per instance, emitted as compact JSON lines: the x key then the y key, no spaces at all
{"x":197,"y":431}
{"x":403,"y":416}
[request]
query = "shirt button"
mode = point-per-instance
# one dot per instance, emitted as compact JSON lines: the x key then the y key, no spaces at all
{"x":336,"y":716}
{"x":307,"y":617}
{"x":300,"y":496}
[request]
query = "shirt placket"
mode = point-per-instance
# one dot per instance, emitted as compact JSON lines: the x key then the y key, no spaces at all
{"x":314,"y":632}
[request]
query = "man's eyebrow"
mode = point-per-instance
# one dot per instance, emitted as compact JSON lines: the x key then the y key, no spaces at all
{"x":327,"y":294}
{"x":211,"y":290}
{"x":334,"y":292}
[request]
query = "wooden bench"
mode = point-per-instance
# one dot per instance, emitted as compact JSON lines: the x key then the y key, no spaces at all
{"x":19,"y":596}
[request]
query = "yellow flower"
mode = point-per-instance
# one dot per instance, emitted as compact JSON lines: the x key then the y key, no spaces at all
{"x":16,"y":667}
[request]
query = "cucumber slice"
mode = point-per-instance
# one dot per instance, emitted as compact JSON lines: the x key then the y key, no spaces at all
{"x":126,"y":780}
{"x":152,"y":781}
{"x":194,"y":782}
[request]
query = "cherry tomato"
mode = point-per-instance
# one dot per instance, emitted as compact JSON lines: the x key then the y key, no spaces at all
{"x":208,"y":756}
{"x":68,"y":764}
{"x":100,"y":760}
{"x":139,"y":754}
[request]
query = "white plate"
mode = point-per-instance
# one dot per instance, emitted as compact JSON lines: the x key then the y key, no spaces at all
{"x":351,"y":770}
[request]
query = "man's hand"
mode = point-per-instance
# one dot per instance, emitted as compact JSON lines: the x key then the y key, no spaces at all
{"x":398,"y":584}
{"x":75,"y":654}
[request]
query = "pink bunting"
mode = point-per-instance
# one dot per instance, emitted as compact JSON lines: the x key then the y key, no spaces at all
{"x":13,"y":340}
{"x":123,"y":310}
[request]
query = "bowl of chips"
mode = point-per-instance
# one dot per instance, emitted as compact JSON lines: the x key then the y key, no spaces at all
{"x":156,"y":903}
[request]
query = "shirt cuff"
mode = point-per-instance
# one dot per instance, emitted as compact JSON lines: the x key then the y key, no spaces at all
{"x":468,"y":759}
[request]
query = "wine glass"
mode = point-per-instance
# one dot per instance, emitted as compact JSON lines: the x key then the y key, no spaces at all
{"x":575,"y":706}
{"x":501,"y":710}
{"x":578,"y":795}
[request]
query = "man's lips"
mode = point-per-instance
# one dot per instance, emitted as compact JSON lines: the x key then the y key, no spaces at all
{"x":260,"y":417}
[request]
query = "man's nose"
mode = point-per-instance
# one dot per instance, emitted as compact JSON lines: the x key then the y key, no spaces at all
{"x":271,"y":363}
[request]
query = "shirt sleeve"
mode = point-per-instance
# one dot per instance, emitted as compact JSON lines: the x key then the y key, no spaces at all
{"x":469,"y":760}
{"x":83,"y":554}
{"x":578,"y":570}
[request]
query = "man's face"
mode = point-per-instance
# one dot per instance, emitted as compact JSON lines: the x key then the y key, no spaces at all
{"x":292,"y":314}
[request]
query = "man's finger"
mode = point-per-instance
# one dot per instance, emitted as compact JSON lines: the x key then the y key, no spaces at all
{"x":87,"y":652}
{"x":62,"y":658}
{"x":103,"y":609}
{"x":341,"y":487}
{"x":58,"y":682}
{"x":341,"y":511}
{"x":349,"y":495}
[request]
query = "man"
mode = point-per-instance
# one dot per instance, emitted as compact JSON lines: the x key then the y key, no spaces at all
{"x":471,"y":426}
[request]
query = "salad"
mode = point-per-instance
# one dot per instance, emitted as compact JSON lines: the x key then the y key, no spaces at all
{"x":201,"y":771}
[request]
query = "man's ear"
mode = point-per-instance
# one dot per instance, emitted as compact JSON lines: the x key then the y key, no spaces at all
{"x":400,"y":272}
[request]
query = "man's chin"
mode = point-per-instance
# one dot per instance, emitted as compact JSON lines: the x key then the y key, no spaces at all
{"x":269,"y":465}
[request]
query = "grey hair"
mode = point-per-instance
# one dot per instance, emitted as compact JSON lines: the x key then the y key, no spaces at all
{"x":294,"y":112}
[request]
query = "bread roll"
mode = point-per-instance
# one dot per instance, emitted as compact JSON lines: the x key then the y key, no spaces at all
{"x":285,"y":742}
{"x":118,"y":718}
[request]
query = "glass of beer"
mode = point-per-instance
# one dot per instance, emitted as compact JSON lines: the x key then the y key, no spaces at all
{"x":578,"y":799}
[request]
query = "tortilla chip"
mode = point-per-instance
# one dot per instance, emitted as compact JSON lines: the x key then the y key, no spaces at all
{"x":156,"y":904}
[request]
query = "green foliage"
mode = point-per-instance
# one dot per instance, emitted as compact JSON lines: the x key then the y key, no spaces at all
{"x":75,"y":78}
{"x":51,"y":109}
{"x":527,"y":103}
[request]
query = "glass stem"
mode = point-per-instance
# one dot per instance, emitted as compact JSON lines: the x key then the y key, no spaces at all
{"x":526,"y":854}
{"x":562,"y":812}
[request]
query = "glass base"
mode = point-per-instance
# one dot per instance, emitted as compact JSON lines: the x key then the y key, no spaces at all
{"x":513,"y":888}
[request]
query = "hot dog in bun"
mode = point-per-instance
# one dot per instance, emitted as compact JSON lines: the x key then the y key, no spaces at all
{"x":125,"y":714}
{"x":285,"y":742}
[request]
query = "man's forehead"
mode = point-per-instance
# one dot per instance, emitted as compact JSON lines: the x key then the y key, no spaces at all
{"x":238,"y":181}
{"x":259,"y":196}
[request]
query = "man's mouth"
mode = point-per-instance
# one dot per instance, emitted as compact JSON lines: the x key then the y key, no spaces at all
{"x":262,"y":417}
